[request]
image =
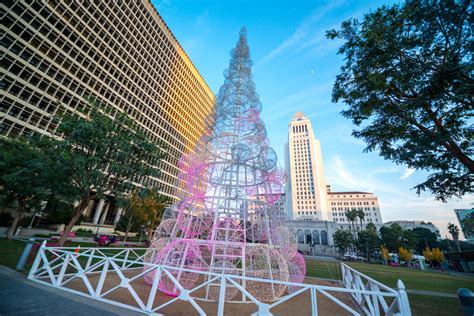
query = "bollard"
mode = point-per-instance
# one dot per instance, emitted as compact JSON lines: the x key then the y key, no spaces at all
{"x":466,"y":298}
{"x":25,"y":254}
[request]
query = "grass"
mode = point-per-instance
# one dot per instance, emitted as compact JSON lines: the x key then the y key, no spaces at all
{"x":323,"y":269}
{"x":10,"y":252}
{"x":434,"y":305}
{"x":414,"y":279}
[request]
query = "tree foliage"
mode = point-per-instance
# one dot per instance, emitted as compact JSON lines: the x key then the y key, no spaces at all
{"x":384,"y":253}
{"x":21,"y":178}
{"x":394,"y":237}
{"x":104,"y":152}
{"x":405,"y":254}
{"x":343,"y":239}
{"x":437,"y":255}
{"x":425,"y":238}
{"x":454,"y":231}
{"x":428,"y":254}
{"x":408,"y":84}
{"x":368,"y":241}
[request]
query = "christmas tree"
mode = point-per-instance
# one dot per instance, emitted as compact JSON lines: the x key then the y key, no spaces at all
{"x":231,"y":221}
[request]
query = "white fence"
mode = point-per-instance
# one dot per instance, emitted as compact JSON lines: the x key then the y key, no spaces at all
{"x":59,"y":267}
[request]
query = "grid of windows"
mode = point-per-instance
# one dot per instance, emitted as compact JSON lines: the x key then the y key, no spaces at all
{"x":306,"y":172}
{"x":340,"y":202}
{"x":121,"y":52}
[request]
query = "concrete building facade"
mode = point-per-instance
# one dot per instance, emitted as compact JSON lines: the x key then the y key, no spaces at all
{"x":120,"y":52}
{"x":340,"y":202}
{"x":306,"y":187}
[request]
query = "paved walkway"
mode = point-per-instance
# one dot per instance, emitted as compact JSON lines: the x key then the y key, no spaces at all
{"x":22,"y":297}
{"x":431,"y":293}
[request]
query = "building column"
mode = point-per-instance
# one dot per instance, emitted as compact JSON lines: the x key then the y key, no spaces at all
{"x":118,"y":215}
{"x":98,"y":210}
{"x":104,"y":215}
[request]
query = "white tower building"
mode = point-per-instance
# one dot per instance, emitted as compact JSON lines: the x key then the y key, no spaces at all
{"x":306,"y":188}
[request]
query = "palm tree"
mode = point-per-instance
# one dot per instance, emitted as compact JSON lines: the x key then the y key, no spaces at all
{"x":361,"y":215}
{"x":454,"y":231}
{"x":351,"y":217}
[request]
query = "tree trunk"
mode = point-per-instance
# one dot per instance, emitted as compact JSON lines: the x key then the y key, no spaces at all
{"x":456,"y":242}
{"x":16,"y":220}
{"x":80,"y":208}
{"x":150,"y":233}
{"x":129,"y":225}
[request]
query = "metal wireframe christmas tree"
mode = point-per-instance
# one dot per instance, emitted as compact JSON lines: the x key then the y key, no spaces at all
{"x":229,"y":222}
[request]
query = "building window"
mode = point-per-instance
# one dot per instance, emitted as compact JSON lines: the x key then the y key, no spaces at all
{"x":316,"y":237}
{"x":307,"y":235}
{"x":300,"y":237}
{"x":324,"y":237}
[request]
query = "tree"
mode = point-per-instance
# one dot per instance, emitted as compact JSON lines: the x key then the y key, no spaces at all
{"x":391,"y":236}
{"x":21,"y":180}
{"x":385,"y":254}
{"x":394,"y":237}
{"x":368,"y":241}
{"x":408,"y":82}
{"x":454,"y":231}
{"x":361,"y":216}
{"x":343,"y":239}
{"x":106,"y":154}
{"x":424,"y":238}
{"x":405,"y":254}
{"x":351,"y":217}
{"x":468,"y":225}
{"x":437,"y":255}
{"x":133,"y":217}
{"x":152,"y":205}
{"x":428,"y":255}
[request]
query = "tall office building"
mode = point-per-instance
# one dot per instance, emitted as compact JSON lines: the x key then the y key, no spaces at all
{"x":308,"y":196}
{"x":121,"y":52}
{"x":306,"y":187}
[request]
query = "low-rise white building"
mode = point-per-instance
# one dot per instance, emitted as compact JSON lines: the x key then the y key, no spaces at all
{"x":314,"y":237}
{"x":340,"y":202}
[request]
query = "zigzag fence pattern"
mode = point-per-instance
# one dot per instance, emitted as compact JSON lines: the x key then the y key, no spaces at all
{"x":92,"y":269}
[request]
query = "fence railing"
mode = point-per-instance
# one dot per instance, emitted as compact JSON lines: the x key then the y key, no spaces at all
{"x":373,"y":304}
{"x":92,"y":267}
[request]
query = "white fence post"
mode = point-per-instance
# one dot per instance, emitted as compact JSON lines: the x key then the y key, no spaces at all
{"x":33,"y":269}
{"x":403,"y":304}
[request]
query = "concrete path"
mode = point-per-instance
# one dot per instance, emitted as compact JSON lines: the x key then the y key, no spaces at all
{"x":19,"y":296}
{"x":431,"y":293}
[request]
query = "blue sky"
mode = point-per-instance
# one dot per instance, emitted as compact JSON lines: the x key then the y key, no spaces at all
{"x":294,"y":70}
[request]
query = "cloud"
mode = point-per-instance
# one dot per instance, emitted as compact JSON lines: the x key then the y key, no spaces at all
{"x":301,"y":100}
{"x":408,"y":172}
{"x":304,"y":35}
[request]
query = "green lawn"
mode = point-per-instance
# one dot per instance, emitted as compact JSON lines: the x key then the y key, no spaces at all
{"x":433,"y":305}
{"x":413,"y":280}
{"x":10,"y":251}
